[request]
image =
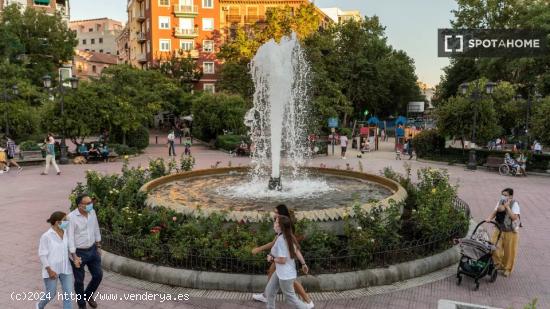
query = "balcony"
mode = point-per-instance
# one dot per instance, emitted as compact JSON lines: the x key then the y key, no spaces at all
{"x":141,"y":37}
{"x":186,"y":33}
{"x":186,"y":10}
{"x":140,"y":17}
{"x":252,"y":19}
{"x":194,"y":53}
{"x":142,"y":58}
{"x":233,"y":18}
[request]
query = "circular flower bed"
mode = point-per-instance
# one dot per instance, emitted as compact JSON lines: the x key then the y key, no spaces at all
{"x":424,"y":224}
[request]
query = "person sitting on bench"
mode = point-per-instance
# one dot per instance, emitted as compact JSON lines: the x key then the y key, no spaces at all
{"x":94,"y":152}
{"x":104,"y":152}
{"x":83,"y":150}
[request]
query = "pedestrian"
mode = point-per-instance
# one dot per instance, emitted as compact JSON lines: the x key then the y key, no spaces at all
{"x":284,"y":252}
{"x":410,"y":147}
{"x":537,"y":147}
{"x":507,"y":215}
{"x":383,"y":135}
{"x":50,"y":155}
{"x":10,"y":152}
{"x":282,"y":210}
{"x":187,"y":150}
{"x":171,"y":147}
{"x":54,"y":255}
{"x":84,"y":244}
{"x":344,"y":144}
{"x":3,"y":161}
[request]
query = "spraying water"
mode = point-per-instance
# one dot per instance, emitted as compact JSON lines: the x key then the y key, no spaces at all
{"x":278,"y":119}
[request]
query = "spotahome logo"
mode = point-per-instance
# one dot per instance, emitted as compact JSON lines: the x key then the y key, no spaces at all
{"x":492,"y":43}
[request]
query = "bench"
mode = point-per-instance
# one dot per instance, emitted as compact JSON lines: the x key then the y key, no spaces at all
{"x":494,"y":162}
{"x":31,"y":157}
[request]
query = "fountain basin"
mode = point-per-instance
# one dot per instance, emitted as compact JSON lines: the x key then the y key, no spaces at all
{"x":201,"y":194}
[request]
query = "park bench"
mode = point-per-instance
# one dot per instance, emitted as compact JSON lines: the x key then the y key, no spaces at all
{"x":30,"y":157}
{"x":494,"y":162}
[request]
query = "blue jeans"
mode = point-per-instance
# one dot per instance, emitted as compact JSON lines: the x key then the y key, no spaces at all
{"x":171,"y":148}
{"x":51,"y":291}
{"x":91,"y":258}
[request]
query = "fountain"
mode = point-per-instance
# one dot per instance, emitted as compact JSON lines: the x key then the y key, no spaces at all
{"x":278,"y":171}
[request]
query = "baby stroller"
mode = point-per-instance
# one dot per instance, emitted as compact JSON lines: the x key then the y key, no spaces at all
{"x":476,"y":260}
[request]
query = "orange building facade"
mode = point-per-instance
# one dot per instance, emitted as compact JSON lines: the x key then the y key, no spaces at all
{"x":159,"y":29}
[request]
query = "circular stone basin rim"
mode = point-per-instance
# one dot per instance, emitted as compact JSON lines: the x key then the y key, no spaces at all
{"x":331,"y":214}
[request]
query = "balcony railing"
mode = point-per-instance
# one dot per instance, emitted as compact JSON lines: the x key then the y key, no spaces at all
{"x":233,"y":18}
{"x":252,"y":19}
{"x":194,"y":53}
{"x":186,"y":10}
{"x":141,"y":37}
{"x":140,"y":17}
{"x":186,"y":33}
{"x":141,"y":58}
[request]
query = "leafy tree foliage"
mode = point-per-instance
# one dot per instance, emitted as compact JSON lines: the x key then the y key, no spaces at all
{"x":540,"y":124}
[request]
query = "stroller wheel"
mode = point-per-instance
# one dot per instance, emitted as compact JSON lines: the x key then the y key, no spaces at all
{"x":459,"y":280}
{"x":494,"y":275}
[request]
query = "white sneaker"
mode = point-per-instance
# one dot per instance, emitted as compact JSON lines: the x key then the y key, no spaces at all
{"x":36,"y":305}
{"x":310,"y":305}
{"x":259,"y":297}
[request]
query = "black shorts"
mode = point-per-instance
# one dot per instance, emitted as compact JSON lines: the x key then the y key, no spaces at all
{"x":344,"y":149}
{"x":10,"y":157}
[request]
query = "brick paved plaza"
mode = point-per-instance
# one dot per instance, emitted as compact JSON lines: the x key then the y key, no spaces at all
{"x":27,"y":199}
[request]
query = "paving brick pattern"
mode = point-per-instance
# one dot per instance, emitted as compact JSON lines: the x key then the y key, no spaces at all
{"x":27,"y":199}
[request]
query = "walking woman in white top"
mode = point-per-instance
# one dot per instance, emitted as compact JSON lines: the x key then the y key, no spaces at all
{"x":283,"y":253}
{"x":54,"y":255}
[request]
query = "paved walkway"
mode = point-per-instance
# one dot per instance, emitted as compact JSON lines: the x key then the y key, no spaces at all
{"x":27,"y":199}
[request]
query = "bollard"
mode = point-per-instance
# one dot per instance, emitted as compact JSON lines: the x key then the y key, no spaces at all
{"x":156,"y":139}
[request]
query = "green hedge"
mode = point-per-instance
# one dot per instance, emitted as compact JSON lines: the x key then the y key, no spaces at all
{"x":457,"y":155}
{"x":428,"y":142}
{"x":29,"y":146}
{"x":229,"y":142}
{"x":138,"y":138}
{"x":122,"y":150}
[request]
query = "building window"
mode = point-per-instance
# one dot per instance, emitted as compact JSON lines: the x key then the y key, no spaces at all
{"x":208,"y":46}
{"x":92,"y":41}
{"x":101,"y":50}
{"x":98,"y":27}
{"x":164,"y":22}
{"x":100,"y":40}
{"x":187,"y":45}
{"x":208,"y":4}
{"x":94,"y":69}
{"x":208,"y":67}
{"x":209,"y":88}
{"x":164,"y":2}
{"x":208,"y":24}
{"x":148,"y":46}
{"x":84,"y":42}
{"x":90,"y":29}
{"x":165,"y":45}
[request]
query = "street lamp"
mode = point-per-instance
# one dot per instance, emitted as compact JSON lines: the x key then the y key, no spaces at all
{"x":7,"y":96}
{"x":47,"y":80}
{"x":476,"y":96}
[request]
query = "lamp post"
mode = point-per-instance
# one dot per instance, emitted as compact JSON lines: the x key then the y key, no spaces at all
{"x":476,"y":96}
{"x":7,"y":96}
{"x":61,"y":90}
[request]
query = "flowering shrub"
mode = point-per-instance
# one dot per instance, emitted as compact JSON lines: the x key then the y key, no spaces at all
{"x":166,"y":237}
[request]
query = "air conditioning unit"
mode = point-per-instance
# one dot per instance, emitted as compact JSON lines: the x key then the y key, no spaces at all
{"x":225,"y":8}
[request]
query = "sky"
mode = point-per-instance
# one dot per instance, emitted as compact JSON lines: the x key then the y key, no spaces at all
{"x":410,"y":25}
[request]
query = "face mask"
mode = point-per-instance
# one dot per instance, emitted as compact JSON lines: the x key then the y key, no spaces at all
{"x":90,"y":207}
{"x":64,"y":224}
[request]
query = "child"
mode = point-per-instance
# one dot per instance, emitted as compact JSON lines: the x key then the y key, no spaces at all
{"x":3,"y":161}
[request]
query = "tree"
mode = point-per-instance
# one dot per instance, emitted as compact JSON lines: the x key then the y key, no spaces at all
{"x":540,"y":125}
{"x":455,"y":116}
{"x":181,"y":68}
{"x":235,"y":78}
{"x":213,"y":113}
{"x":36,"y":40}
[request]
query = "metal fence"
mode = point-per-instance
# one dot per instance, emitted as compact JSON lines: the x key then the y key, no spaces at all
{"x":205,"y":259}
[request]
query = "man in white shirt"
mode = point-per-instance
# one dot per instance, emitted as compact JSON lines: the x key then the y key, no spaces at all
{"x":537,"y":147}
{"x":84,"y":242}
{"x":344,"y":145}
{"x":171,"y":146}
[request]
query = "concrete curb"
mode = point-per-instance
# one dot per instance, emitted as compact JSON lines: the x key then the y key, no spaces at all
{"x":547,"y":174}
{"x":256,"y":283}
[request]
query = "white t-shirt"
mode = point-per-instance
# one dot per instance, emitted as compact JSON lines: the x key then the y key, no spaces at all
{"x":285,"y":271}
{"x":344,"y":141}
{"x":514,"y":208}
{"x":171,"y":137}
{"x":54,"y":252}
{"x":538,"y":147}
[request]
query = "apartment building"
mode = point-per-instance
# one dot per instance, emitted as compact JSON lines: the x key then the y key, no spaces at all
{"x":338,"y":15}
{"x":87,"y":64}
{"x":159,"y":29}
{"x":123,"y":46}
{"x":49,"y":6}
{"x":97,"y":35}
